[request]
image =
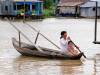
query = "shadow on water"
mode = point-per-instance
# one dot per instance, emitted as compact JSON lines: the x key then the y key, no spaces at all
{"x":61,"y":62}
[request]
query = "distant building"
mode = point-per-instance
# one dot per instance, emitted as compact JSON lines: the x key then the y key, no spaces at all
{"x":69,"y":7}
{"x":88,"y":9}
{"x":16,"y":7}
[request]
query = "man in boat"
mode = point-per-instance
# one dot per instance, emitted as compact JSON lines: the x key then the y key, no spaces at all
{"x":66,"y":45}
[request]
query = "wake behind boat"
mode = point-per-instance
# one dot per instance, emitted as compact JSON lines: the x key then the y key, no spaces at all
{"x":30,"y":50}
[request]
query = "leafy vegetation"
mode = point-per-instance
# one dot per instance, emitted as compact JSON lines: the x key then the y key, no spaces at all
{"x":49,"y":6}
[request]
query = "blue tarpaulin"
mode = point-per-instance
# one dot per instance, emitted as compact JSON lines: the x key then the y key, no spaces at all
{"x":21,"y":3}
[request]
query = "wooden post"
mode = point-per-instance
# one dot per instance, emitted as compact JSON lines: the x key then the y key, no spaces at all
{"x":79,"y":11}
{"x":24,"y":11}
{"x":30,"y":10}
{"x":37,"y":37}
{"x":95,"y":32}
{"x":76,"y":11}
{"x":19,"y":39}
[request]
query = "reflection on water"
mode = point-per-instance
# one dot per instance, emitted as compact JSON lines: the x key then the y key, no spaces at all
{"x":39,"y":66}
{"x":12,"y":63}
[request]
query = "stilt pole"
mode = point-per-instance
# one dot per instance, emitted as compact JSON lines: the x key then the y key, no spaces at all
{"x":95,"y":32}
{"x":24,"y":11}
{"x":19,"y":39}
{"x":37,"y":37}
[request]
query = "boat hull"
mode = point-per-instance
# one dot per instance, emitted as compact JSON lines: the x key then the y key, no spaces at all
{"x":30,"y":50}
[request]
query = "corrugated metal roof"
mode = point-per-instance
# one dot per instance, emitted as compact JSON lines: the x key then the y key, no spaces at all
{"x":27,"y":0}
{"x":71,"y":2}
{"x":95,"y":0}
{"x":90,"y":4}
{"x":21,"y":0}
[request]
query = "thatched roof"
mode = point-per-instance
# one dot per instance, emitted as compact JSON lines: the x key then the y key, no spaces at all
{"x":64,"y":3}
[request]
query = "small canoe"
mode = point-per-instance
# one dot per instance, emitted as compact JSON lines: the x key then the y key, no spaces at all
{"x":30,"y":50}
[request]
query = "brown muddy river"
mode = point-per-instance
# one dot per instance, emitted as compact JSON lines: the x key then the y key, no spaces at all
{"x":80,"y":30}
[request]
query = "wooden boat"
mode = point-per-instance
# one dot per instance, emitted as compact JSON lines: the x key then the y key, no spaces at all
{"x":30,"y":50}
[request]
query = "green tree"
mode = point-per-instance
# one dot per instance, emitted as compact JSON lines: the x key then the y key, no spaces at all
{"x":48,"y":4}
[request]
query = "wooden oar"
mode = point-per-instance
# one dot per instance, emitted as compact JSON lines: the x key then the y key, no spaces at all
{"x":43,"y":35}
{"x":49,"y":39}
{"x":78,"y":48}
{"x":26,"y":37}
